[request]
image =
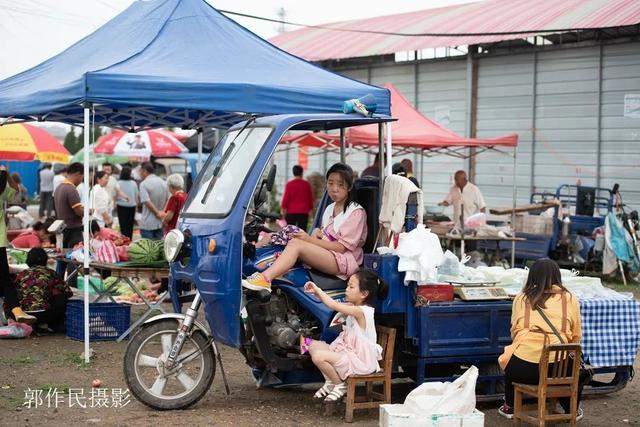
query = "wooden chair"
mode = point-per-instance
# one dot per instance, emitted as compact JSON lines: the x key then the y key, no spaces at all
{"x":559,"y":381}
{"x":372,"y":399}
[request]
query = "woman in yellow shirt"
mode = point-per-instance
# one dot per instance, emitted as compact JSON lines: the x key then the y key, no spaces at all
{"x":529,"y":331}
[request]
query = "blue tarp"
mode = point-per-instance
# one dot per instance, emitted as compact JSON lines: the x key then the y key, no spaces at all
{"x":180,"y":63}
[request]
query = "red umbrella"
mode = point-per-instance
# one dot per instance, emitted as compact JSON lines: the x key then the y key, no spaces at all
{"x":157,"y":143}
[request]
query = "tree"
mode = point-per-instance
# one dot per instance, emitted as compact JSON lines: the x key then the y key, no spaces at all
{"x":71,"y":142}
{"x":97,"y":133}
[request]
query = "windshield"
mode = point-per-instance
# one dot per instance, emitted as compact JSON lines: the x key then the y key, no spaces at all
{"x":219,"y":183}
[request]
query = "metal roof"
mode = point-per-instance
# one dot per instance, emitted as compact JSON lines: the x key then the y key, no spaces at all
{"x":496,"y":16}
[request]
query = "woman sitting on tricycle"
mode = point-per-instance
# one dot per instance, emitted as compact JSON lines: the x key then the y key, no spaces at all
{"x":336,"y":248}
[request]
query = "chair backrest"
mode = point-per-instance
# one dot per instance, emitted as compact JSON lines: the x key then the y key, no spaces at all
{"x":386,"y":340}
{"x":556,"y":368}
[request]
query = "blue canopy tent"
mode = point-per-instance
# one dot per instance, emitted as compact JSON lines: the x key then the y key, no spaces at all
{"x":172,"y":63}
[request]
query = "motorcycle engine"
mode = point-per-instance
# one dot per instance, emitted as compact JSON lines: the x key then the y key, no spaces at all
{"x":286,"y":326}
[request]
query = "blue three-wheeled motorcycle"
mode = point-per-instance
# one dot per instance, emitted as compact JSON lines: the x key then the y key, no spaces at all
{"x":170,"y":362}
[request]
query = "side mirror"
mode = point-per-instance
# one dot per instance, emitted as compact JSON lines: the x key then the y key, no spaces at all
{"x":265,"y":187}
{"x":260,"y":197}
{"x":271,"y":178}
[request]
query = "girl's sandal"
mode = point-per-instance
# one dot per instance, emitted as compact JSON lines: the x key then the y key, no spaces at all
{"x":338,"y":392}
{"x":324,"y":390}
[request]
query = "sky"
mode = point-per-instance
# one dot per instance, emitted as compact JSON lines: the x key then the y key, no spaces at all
{"x":32,"y":31}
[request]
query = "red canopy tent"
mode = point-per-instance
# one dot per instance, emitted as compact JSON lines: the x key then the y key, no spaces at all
{"x":412,"y":130}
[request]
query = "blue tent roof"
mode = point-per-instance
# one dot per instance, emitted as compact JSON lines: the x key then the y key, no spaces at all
{"x":176,"y":63}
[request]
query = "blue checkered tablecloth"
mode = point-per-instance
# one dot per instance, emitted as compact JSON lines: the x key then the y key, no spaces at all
{"x":610,"y":331}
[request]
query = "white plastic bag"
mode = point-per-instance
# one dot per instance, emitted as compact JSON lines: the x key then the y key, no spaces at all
{"x":476,"y":220}
{"x":450,"y":265}
{"x":458,"y":397}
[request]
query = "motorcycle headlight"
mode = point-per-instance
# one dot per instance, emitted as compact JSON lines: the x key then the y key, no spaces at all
{"x":172,"y":244}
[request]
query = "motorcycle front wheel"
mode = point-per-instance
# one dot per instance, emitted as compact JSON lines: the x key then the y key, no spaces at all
{"x":165,"y":389}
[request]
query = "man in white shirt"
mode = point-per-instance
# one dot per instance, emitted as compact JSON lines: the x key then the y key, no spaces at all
{"x":112,"y":184}
{"x":46,"y":191}
{"x":465,"y":197}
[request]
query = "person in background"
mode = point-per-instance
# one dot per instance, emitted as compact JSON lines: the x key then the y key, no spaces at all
{"x":297,"y":200}
{"x":374,"y":169}
{"x":41,"y":291}
{"x":544,"y":292}
{"x":7,"y":192}
{"x":101,"y":200}
{"x":113,"y":189}
{"x":126,"y":207}
{"x":36,"y":238}
{"x":68,"y":205}
{"x":22,"y":194}
{"x":408,"y":167}
{"x":174,"y":205}
{"x":465,"y":197}
{"x":58,"y":179}
{"x":46,"y":191}
{"x":153,"y":196}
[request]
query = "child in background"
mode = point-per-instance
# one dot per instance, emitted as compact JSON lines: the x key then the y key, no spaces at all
{"x":355,"y":351}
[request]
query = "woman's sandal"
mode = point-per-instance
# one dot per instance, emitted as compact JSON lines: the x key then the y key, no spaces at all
{"x":338,"y":392}
{"x":324,"y":390}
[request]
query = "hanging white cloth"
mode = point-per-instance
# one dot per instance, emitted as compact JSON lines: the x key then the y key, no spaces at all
{"x":394,"y":202}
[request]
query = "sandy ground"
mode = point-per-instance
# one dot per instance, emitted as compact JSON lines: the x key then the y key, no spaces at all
{"x":53,"y":362}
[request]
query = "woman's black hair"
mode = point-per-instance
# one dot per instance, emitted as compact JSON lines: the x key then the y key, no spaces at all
{"x":369,"y":281}
{"x":543,"y":274}
{"x":398,"y":169}
{"x":36,"y":256}
{"x":94,"y":227}
{"x":97,"y":176}
{"x":125,"y":173}
{"x":347,"y":175}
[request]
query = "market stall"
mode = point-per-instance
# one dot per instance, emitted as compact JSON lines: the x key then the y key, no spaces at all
{"x":143,"y":70}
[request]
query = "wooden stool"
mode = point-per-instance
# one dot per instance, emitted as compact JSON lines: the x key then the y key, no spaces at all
{"x":554,"y":383}
{"x":372,"y":399}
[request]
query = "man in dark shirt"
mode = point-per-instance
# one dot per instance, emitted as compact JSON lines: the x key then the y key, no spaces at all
{"x":297,"y":200}
{"x":69,"y":206}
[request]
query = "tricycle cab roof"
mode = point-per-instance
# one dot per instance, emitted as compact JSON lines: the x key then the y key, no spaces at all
{"x":315,"y":122}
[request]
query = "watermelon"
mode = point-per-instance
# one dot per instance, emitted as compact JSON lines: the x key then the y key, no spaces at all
{"x":159,"y":250}
{"x":143,"y":251}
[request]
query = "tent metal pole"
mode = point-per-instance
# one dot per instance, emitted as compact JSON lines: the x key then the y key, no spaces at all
{"x":343,"y":157}
{"x":421,"y":168}
{"x":513,"y":212}
{"x":388,"y":152}
{"x":199,"y":161}
{"x":85,"y":231}
{"x":380,"y":164}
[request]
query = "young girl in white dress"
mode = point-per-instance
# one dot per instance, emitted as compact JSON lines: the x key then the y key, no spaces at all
{"x":355,"y":351}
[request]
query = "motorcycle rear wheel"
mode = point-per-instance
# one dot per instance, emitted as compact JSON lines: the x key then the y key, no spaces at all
{"x":162,"y":389}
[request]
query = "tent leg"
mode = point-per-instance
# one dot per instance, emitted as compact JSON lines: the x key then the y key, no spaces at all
{"x":513,"y":212}
{"x":85,"y":233}
{"x":388,"y":152}
{"x":421,"y":168}
{"x":343,"y":156}
{"x":199,"y":161}
{"x":380,"y":165}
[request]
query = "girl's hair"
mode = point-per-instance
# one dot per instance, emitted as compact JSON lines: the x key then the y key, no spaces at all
{"x":346,"y":173}
{"x":16,"y":178}
{"x":369,"y":281}
{"x":125,"y":173}
{"x":98,"y":176}
{"x":36,"y":256}
{"x":543,"y":274}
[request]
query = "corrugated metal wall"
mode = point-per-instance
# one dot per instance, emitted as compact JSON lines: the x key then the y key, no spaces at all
{"x":563,"y":103}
